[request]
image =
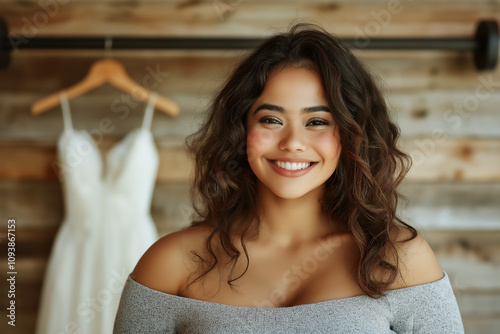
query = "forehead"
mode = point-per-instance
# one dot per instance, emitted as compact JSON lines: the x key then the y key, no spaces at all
{"x":293,"y":76}
{"x":293,"y":88}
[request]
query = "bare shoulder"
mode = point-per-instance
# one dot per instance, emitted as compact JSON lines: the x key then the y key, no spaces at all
{"x":417,"y":262}
{"x":164,"y":266}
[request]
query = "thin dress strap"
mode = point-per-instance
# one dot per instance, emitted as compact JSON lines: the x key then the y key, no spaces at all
{"x":148,"y":113}
{"x":66,"y":112}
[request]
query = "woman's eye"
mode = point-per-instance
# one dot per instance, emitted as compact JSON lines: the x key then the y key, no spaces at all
{"x":314,"y":122}
{"x":269,"y":120}
{"x":319,"y":122}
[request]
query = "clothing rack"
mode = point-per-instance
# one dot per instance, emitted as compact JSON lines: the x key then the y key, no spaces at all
{"x":484,"y":44}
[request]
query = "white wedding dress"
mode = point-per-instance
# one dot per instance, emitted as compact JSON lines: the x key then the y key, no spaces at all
{"x":106,"y":229}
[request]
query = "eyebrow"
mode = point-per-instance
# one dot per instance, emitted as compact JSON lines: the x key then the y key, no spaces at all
{"x":282,"y":110}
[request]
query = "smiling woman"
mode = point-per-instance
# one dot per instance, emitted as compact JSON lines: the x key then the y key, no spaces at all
{"x":288,"y":127}
{"x":312,"y":206}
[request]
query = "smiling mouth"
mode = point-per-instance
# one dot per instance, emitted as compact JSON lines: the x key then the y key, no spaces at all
{"x":293,"y":165}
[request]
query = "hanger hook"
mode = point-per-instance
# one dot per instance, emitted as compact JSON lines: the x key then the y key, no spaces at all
{"x":108,"y":46}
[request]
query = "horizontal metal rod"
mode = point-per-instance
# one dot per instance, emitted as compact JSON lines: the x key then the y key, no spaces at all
{"x":124,"y":43}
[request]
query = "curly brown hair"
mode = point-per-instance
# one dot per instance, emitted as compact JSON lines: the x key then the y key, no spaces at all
{"x":361,"y":193}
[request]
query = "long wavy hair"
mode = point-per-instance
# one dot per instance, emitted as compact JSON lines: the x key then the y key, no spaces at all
{"x":361,"y":193}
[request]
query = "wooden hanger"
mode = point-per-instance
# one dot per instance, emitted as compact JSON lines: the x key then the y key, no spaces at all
{"x":105,"y":71}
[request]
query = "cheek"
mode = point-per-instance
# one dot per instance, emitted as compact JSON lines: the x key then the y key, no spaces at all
{"x":329,"y":144}
{"x":257,"y":142}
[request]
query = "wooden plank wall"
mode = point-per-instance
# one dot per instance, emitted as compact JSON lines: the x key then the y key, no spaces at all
{"x":448,"y":113}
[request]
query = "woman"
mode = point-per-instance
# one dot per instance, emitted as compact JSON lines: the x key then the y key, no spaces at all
{"x":296,"y":170}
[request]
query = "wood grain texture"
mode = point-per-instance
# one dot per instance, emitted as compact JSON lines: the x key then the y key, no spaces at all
{"x":452,"y":205}
{"x":201,"y":72}
{"x":438,"y":158}
{"x":245,"y":18}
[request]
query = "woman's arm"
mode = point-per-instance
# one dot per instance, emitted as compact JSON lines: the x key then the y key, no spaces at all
{"x":143,"y":310}
{"x":430,"y":305}
{"x":146,"y":304}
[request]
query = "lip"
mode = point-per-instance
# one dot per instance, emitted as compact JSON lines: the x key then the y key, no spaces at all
{"x":292,"y":173}
{"x":292,"y":160}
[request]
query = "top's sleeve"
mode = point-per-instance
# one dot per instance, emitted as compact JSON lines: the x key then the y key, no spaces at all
{"x":143,"y":310}
{"x":427,"y":308}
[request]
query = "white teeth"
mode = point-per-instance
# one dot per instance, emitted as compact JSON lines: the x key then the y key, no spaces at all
{"x":293,"y":165}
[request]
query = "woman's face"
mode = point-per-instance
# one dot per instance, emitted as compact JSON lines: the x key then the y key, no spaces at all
{"x":291,"y":122}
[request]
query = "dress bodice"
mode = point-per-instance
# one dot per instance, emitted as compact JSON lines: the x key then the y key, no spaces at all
{"x":128,"y":175}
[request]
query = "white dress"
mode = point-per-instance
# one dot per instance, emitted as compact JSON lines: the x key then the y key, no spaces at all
{"x":106,"y":229}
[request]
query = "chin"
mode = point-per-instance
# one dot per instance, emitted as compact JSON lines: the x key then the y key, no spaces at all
{"x":289,"y":193}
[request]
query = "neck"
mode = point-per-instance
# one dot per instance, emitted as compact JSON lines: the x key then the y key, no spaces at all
{"x":288,"y":223}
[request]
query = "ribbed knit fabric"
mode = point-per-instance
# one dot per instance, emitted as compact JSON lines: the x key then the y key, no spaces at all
{"x":427,"y":308}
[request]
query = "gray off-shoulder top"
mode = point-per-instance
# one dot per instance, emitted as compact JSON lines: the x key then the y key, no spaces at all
{"x":426,"y":308}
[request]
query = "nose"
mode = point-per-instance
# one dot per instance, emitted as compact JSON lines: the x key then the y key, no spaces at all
{"x":293,"y":139}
